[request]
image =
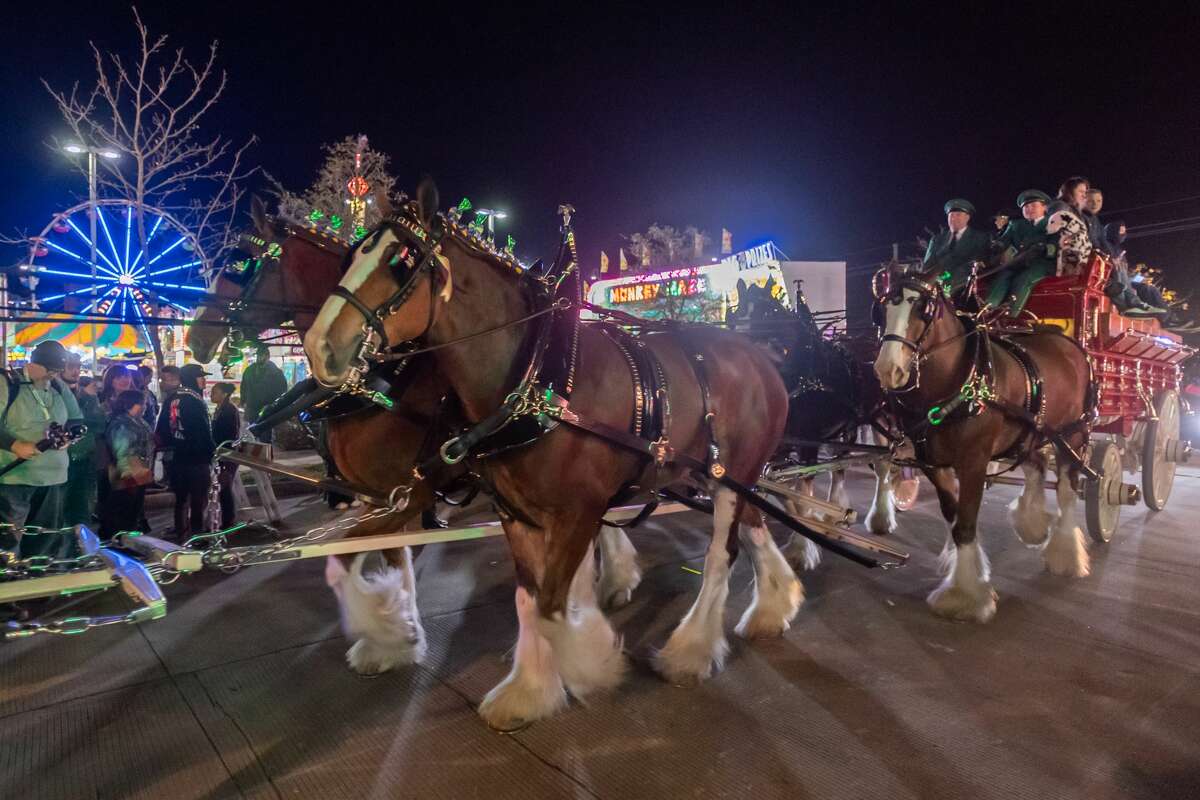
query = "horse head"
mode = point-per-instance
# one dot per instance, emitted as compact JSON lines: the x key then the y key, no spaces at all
{"x":277,"y":273}
{"x":390,"y":289}
{"x":909,"y":300}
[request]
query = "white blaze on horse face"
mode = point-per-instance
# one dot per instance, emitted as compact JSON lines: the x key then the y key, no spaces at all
{"x":895,"y":360}
{"x":329,"y":358}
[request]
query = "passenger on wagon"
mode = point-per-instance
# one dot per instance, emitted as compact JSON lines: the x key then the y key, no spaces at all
{"x":1130,"y":293}
{"x":1066,"y":218}
{"x":1033,"y":254}
{"x":1095,"y":202}
{"x":952,"y":250}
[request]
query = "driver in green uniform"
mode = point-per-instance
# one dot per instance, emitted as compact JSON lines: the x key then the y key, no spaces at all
{"x":953,"y":250}
{"x":1033,"y":254}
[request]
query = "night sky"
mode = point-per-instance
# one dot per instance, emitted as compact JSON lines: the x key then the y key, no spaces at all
{"x":832,"y":131}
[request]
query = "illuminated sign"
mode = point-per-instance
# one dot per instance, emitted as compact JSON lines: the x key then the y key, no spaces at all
{"x":649,"y":291}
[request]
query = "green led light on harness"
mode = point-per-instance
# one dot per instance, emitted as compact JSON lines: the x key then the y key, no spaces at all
{"x":381,"y":399}
{"x":935,"y":416}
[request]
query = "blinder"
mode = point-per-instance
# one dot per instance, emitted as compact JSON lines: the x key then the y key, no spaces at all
{"x":413,"y":253}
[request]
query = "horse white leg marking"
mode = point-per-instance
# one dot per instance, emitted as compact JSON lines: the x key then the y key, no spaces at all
{"x":966,"y":593}
{"x":881,"y":518}
{"x":380,"y":610}
{"x":1066,"y":554}
{"x":1029,"y":516}
{"x":698,"y":643}
{"x":799,"y":551}
{"x":532,"y":689}
{"x":778,"y":593}
{"x":619,"y":572}
{"x":837,"y":489}
{"x":586,"y":648}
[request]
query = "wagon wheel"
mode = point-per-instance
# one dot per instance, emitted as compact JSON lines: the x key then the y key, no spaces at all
{"x":1102,"y":496}
{"x":1158,"y":459}
{"x":905,"y":491}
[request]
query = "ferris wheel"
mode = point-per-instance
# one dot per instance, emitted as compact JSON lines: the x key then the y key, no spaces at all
{"x":129,"y":277}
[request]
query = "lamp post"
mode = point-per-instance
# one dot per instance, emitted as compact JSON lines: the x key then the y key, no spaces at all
{"x":492,"y":215}
{"x":92,"y":153}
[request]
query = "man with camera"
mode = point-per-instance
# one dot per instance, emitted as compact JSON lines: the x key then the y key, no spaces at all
{"x":31,"y":493}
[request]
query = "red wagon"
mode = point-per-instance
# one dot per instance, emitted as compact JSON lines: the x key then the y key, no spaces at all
{"x":1138,"y":370}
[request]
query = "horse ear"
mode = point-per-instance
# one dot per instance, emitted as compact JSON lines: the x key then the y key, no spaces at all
{"x":427,"y":199}
{"x":384,"y":203}
{"x":258,"y":215}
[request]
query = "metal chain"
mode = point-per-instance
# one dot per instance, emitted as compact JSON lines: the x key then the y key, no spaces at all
{"x":230,"y":560}
{"x":68,"y":626}
{"x":12,"y":566}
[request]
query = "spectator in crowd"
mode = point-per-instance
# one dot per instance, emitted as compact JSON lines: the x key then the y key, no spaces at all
{"x":168,"y":382}
{"x":226,"y":427}
{"x":262,"y":382}
{"x":143,"y":377}
{"x":129,"y":472}
{"x":168,"y":385}
{"x":192,"y":448}
{"x":31,"y":493}
{"x":79,"y":505}
{"x":117,"y":378}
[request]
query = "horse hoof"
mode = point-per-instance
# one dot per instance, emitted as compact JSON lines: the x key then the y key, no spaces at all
{"x":881,"y":524}
{"x":956,"y":604}
{"x":802,"y":553}
{"x":514,"y":705}
{"x":687,"y":667}
{"x":370,"y":660}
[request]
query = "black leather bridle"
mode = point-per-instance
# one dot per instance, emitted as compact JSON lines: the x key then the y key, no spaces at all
{"x":888,"y":287}
{"x":413,"y":254}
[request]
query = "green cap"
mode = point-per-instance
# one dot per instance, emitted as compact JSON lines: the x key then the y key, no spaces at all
{"x":958,"y":204}
{"x":1029,"y":195}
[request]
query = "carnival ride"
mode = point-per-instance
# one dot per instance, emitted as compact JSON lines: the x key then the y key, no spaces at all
{"x":144,"y":256}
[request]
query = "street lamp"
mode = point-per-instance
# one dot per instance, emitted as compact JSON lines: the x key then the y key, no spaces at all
{"x":492,"y":215}
{"x":104,"y":152}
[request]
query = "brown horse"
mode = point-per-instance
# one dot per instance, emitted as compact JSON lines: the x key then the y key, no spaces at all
{"x":379,"y":611}
{"x":460,"y":297}
{"x":968,"y":397}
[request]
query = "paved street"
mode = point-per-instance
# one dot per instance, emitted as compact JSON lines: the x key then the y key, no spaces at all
{"x":1085,"y":689}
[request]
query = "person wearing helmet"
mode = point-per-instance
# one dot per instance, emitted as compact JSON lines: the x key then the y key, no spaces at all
{"x":31,"y":493}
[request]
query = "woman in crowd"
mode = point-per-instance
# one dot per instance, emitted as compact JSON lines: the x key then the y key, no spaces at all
{"x":130,"y":439}
{"x":226,"y":427}
{"x":117,"y":378}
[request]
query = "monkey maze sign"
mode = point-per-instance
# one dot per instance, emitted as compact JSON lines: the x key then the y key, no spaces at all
{"x":650,"y":291}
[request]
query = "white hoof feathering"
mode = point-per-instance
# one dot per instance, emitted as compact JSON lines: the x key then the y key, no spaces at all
{"x":532,"y":689}
{"x":619,"y":572}
{"x":778,"y":593}
{"x":698,"y":644}
{"x":586,"y":649}
{"x":380,"y":610}
{"x":1030,"y":519}
{"x":1065,"y":553}
{"x":837,"y":489}
{"x":802,"y":553}
{"x":881,"y":517}
{"x":966,"y":594}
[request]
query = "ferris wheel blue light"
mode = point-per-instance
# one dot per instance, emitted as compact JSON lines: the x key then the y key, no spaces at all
{"x":123,"y":270}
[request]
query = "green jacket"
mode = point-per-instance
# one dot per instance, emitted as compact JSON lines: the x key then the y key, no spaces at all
{"x":26,"y":419}
{"x":971,"y":246}
{"x":1021,"y":234}
{"x":95,"y":419}
{"x":261,"y":383}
